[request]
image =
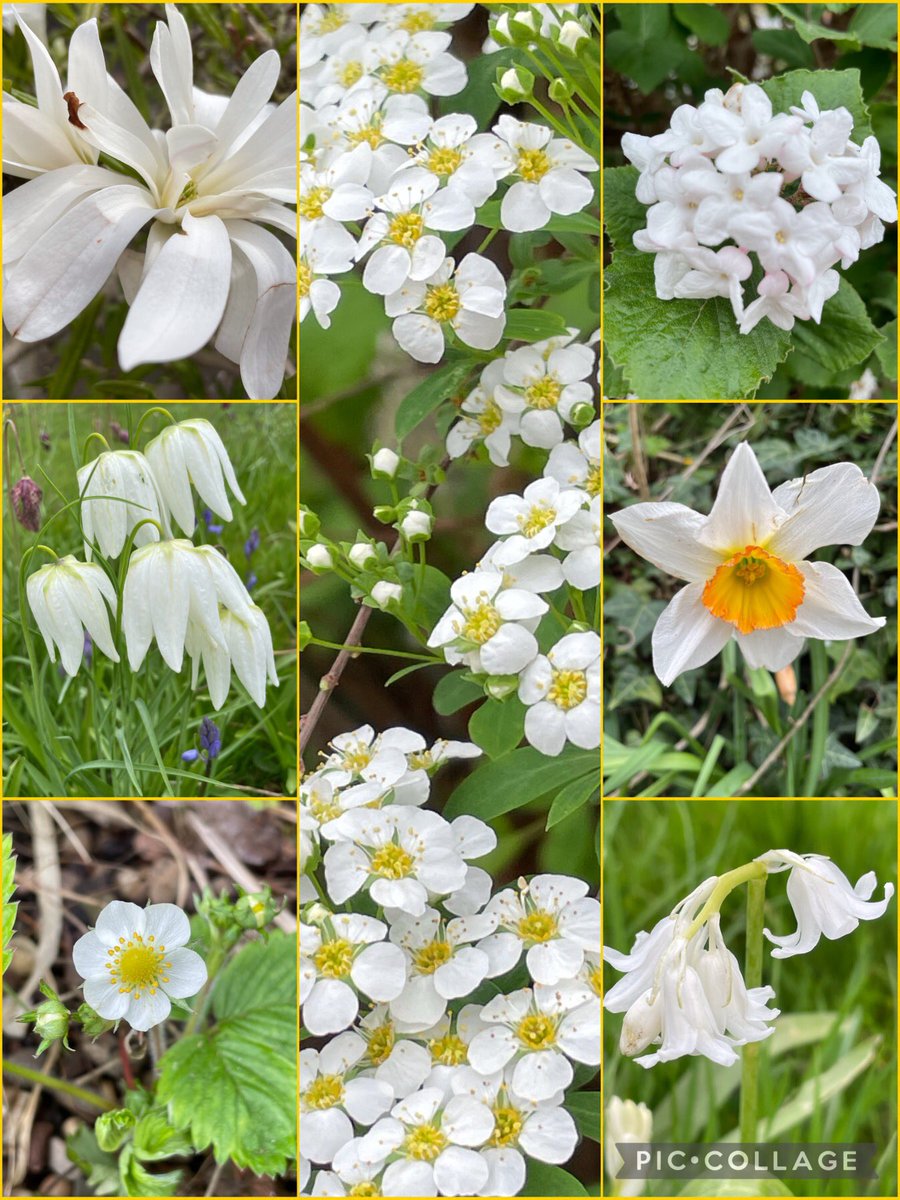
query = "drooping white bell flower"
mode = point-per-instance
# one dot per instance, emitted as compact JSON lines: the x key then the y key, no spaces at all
{"x":66,"y":598}
{"x":119,"y":490}
{"x":135,"y":959}
{"x":745,"y":565}
{"x":192,"y":452}
{"x":624,"y":1121}
{"x":824,"y":901}
{"x":246,"y":646}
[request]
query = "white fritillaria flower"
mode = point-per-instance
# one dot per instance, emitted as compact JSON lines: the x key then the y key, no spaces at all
{"x":442,"y":965}
{"x":624,"y":1121}
{"x":531,"y":520}
{"x":542,"y":384}
{"x":327,"y":1096}
{"x":135,"y":959}
{"x":824,"y":901}
{"x":192,"y":452}
{"x":118,"y":490}
{"x":488,"y":626}
{"x":346,"y":955}
{"x":246,"y":646}
{"x":66,"y":598}
{"x":745,"y":565}
{"x":549,"y":175}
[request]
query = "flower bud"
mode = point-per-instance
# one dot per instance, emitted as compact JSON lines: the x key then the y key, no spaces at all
{"x":570,"y":34}
{"x":255,"y":909}
{"x":521,"y":28}
{"x":561,"y":90}
{"x":500,"y":30}
{"x":308,"y":523}
{"x":319,"y":557}
{"x":582,"y":415}
{"x":361,"y":553}
{"x":385,"y":513}
{"x":384,"y":464}
{"x":515,"y":84}
{"x":642,"y":1023}
{"x":416,"y":526}
{"x":26,"y":501}
{"x":51,"y":1020}
{"x":304,"y":636}
{"x":317,"y":914}
{"x":498,"y":687}
{"x":384,"y":593}
{"x":91,"y":1022}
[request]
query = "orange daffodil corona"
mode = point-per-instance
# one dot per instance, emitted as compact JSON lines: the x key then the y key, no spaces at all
{"x":746,"y":565}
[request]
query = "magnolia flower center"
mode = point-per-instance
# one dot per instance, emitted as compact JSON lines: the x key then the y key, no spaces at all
{"x":391,"y":862}
{"x":755,"y":590}
{"x":490,"y":418}
{"x":449,"y":1050}
{"x":325,"y":1092}
{"x":442,"y":302}
{"x":507,"y":1126}
{"x":444,"y":160}
{"x":364,"y":1189}
{"x":482,"y":622}
{"x":537,"y":927}
{"x":545,"y":393}
{"x":417,"y":21}
{"x":334,"y":959}
{"x":137,"y":966}
{"x":430,"y":957}
{"x":381,"y":1043}
{"x":592,"y":482}
{"x":406,"y":229}
{"x":404,"y":76}
{"x":568,"y":689}
{"x":538,"y":517}
{"x":311,"y":204}
{"x":533,"y":165}
{"x":425,"y":1143}
{"x":350,"y":73}
{"x":306,"y":278}
{"x":189,"y":193}
{"x":537,"y":1032}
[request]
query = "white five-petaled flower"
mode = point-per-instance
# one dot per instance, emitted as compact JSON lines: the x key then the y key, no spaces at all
{"x":135,"y":959}
{"x":824,"y":901}
{"x":489,"y":626}
{"x":330,"y":1089}
{"x":192,"y":452}
{"x":460,"y":157}
{"x":118,"y":490}
{"x":66,"y":598}
{"x":345,"y":956}
{"x":577,"y":465}
{"x":580,"y":537}
{"x":549,"y":175}
{"x":530,"y":522}
{"x":745,"y":565}
{"x":562,"y":691}
{"x":542,"y":384}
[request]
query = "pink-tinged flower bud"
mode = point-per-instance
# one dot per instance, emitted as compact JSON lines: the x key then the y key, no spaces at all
{"x":26,"y":500}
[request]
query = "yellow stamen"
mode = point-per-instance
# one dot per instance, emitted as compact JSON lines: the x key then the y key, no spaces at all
{"x":755,"y":590}
{"x":442,"y":302}
{"x":444,"y":160}
{"x":406,"y":229}
{"x":306,"y":278}
{"x":533,"y":165}
{"x":430,"y":957}
{"x":537,"y":1032}
{"x":425,"y":1143}
{"x":568,"y":689}
{"x":404,"y":76}
{"x":537,"y":927}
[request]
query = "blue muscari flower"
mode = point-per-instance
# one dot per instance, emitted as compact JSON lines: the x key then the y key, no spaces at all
{"x":208,"y":518}
{"x":190,"y":756}
{"x":252,"y":581}
{"x":252,"y":542}
{"x":210,"y":738}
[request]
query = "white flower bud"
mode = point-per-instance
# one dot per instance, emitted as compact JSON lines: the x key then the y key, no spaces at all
{"x":385,"y":462}
{"x":319,"y":556}
{"x":384,"y":593}
{"x":416,"y":526}
{"x":570,"y":34}
{"x":642,"y":1023}
{"x":512,"y":86}
{"x":361,"y":553}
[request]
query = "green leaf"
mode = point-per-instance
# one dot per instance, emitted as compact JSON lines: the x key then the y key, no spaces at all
{"x":682,"y":349}
{"x":643,"y":21}
{"x":234,"y":1086}
{"x":488,"y":217}
{"x":154,"y":1138}
{"x":426,"y":600}
{"x":497,"y":726}
{"x":478,"y":96}
{"x":811,"y":31}
{"x":875,"y":25}
{"x":112,"y":1128}
{"x":831,"y":88}
{"x":515,"y":780}
{"x":783,"y":44}
{"x":710,"y":24}
{"x":100,"y":1168}
{"x":846,"y":335}
{"x":622,"y":211}
{"x":585,"y":1108}
{"x":735,"y":1187}
{"x":886,"y":351}
{"x":9,"y":886}
{"x":138,"y":1181}
{"x":543,"y":1179}
{"x":454,"y":691}
{"x":422,"y":400}
{"x":573,"y":797}
{"x":533,"y":324}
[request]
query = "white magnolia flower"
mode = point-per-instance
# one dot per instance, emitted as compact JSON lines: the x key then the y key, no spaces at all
{"x":580,"y":536}
{"x":624,"y":1121}
{"x":489,"y":626}
{"x":549,"y":171}
{"x":330,"y":1089}
{"x":577,"y":465}
{"x":118,"y":490}
{"x":746,"y":566}
{"x":345,"y":956}
{"x":135,"y":959}
{"x":530,"y":521}
{"x":66,"y":598}
{"x":824,"y":901}
{"x":552,"y":918}
{"x":192,"y":452}
{"x":541,"y":385}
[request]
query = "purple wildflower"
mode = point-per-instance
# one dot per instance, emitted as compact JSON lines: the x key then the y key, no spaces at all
{"x":208,"y":518}
{"x":210,"y":738}
{"x":26,"y":502}
{"x":252,"y":543}
{"x":190,"y":756}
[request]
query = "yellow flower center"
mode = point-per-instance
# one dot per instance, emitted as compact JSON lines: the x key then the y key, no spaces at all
{"x":391,"y":862}
{"x":137,"y":966}
{"x":381,"y":1043}
{"x":350,"y":73}
{"x":568,"y":689}
{"x":425,"y":1143}
{"x":482,"y":622}
{"x":323,"y":810}
{"x":444,"y":160}
{"x":592,"y":483}
{"x":594,"y":980}
{"x":406,"y":229}
{"x":334,"y":959}
{"x":430,"y":957}
{"x":306,"y":278}
{"x":364,"y":1189}
{"x":357,"y":760}
{"x":755,"y":590}
{"x":508,"y":1123}
{"x":537,"y":1032}
{"x":533,"y":165}
{"x":404,"y":76}
{"x":442,"y":302}
{"x":329,"y":22}
{"x":325,"y":1092}
{"x":368,"y":133}
{"x":420,"y":761}
{"x":539,"y":516}
{"x":311,"y":204}
{"x":449,"y":1050}
{"x":779,"y":237}
{"x":537,"y":927}
{"x":417,"y":21}
{"x":545,"y":393}
{"x":490,"y":418}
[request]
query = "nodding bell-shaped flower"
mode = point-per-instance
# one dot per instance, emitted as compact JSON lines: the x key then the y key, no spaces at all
{"x":625,"y":1121}
{"x":192,"y":452}
{"x":246,"y":647}
{"x":66,"y":598}
{"x":824,"y":901}
{"x":118,"y":491}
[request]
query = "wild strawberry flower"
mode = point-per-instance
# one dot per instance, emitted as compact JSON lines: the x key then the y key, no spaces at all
{"x":746,"y":565}
{"x":67,"y":597}
{"x":135,"y":961}
{"x":343,"y":956}
{"x":191,"y":452}
{"x":118,"y":490}
{"x":329,"y":1085}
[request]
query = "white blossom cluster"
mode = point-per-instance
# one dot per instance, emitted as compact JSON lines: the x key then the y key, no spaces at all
{"x":419,"y":1088}
{"x":730,"y":178}
{"x":381,"y":179}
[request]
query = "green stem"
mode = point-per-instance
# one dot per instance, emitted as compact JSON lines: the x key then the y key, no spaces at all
{"x":727,"y":883}
{"x":87,"y":441}
{"x":213,"y":965}
{"x":576,"y":599}
{"x":756,"y":898}
{"x":57,"y":1085}
{"x":820,"y":721}
{"x":375,"y":650}
{"x":149,"y":413}
{"x":487,"y":241}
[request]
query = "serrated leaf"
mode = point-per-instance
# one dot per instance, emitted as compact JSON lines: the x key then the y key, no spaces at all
{"x":137,"y":1180}
{"x":154,"y":1138}
{"x":100,"y":1169}
{"x":515,"y":780}
{"x":886,"y":351}
{"x":422,"y":400}
{"x":234,"y":1086}
{"x":573,"y":797}
{"x":8,"y":887}
{"x":812,"y":31}
{"x":846,"y":335}
{"x":622,"y":211}
{"x":830,"y":88}
{"x":498,"y":726}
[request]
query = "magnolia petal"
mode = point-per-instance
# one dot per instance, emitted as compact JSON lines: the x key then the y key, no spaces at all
{"x":87,"y":76}
{"x":264,"y":350}
{"x":686,"y":635}
{"x":833,"y":506}
{"x":171,"y":61}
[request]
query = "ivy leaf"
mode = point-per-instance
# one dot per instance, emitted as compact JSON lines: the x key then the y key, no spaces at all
{"x":886,"y":351}
{"x":846,"y":335}
{"x":830,"y":88}
{"x":515,"y":780}
{"x":234,"y":1086}
{"x":422,"y":400}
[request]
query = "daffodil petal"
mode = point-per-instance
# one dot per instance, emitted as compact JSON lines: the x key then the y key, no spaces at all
{"x":666,"y":534}
{"x":830,"y":608}
{"x":744,"y":512}
{"x":686,"y":635}
{"x":834,"y":506}
{"x":770,"y":648}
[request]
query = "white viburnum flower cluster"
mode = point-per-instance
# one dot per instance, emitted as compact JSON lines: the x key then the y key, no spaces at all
{"x":414,"y":1088}
{"x":729,"y":179}
{"x":381,"y":179}
{"x":209,"y":190}
{"x":187,"y":598}
{"x":682,"y":989}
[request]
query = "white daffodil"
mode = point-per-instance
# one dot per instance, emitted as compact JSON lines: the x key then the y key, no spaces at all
{"x":483,"y":420}
{"x":530,"y":522}
{"x":552,"y":919}
{"x":624,"y":1121}
{"x":66,"y":598}
{"x":135,"y":959}
{"x":580,"y":536}
{"x":541,"y":385}
{"x":745,"y":565}
{"x":549,"y":175}
{"x":330,"y":1089}
{"x":345,"y":956}
{"x":470,"y":298}
{"x":118,"y":490}
{"x":192,"y":452}
{"x":488,"y":626}
{"x":246,"y":646}
{"x":577,"y":465}
{"x":824,"y":901}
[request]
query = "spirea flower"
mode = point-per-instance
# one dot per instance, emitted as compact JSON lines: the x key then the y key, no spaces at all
{"x":488,"y":626}
{"x":135,"y":959}
{"x":346,"y":955}
{"x":549,"y":175}
{"x":192,"y":452}
{"x":330,"y":1089}
{"x":118,"y":490}
{"x":746,"y":565}
{"x":530,"y":522}
{"x":67,"y":598}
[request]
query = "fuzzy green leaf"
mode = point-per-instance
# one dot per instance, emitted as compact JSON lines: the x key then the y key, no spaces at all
{"x":886,"y":351}
{"x":832,"y":89}
{"x":622,"y":211}
{"x":846,"y":335}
